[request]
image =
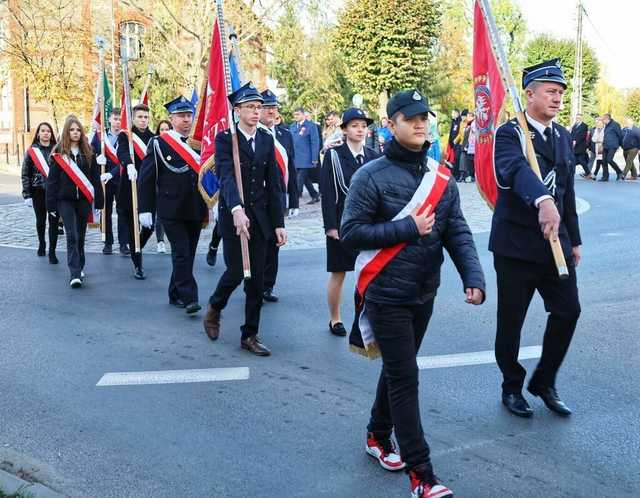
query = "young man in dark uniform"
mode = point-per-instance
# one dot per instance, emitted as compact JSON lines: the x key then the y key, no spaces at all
{"x":260,"y":217}
{"x":168,"y":185}
{"x":528,"y":212}
{"x":286,"y":163}
{"x":401,"y":211}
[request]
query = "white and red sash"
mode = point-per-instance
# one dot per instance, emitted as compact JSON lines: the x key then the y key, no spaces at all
{"x":282,"y":158}
{"x":139,"y":147}
{"x":39,"y":161}
{"x":78,"y":177}
{"x":110,"y":152}
{"x":184,"y":150}
{"x":370,"y":263}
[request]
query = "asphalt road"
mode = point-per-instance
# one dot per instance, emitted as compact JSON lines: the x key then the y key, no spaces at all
{"x":296,"y":428}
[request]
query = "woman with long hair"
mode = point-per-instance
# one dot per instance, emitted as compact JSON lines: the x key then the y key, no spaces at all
{"x":338,"y":166}
{"x":163,"y":127}
{"x":74,"y":191}
{"x":35,"y":169}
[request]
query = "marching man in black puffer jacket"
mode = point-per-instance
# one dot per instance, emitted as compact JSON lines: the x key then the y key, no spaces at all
{"x":402,"y":209}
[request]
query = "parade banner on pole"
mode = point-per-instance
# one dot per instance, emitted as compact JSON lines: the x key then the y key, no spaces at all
{"x":489,"y":94}
{"x":107,"y":104}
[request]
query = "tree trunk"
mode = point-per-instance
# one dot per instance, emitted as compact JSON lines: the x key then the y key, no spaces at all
{"x":383,"y":98}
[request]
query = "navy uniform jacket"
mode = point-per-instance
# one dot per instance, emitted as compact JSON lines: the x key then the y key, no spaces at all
{"x":124,"y":190}
{"x":515,"y":232}
{"x":110,"y":167}
{"x":261,"y":184}
{"x":168,"y":185}
{"x":286,"y":139}
{"x":332,"y":195}
{"x":306,"y":142}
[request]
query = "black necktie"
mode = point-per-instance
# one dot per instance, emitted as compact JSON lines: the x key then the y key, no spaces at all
{"x":360,"y":160}
{"x":184,"y":139}
{"x":250,"y":142}
{"x":549,"y":135}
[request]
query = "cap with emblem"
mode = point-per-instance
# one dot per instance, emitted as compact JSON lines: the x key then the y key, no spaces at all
{"x":354,"y":113}
{"x":246,"y":93}
{"x":410,"y":103}
{"x":549,"y":71}
{"x":179,"y":104}
{"x":269,"y":98}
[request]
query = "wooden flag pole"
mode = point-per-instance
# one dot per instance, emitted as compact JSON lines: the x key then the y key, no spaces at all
{"x":507,"y":76}
{"x":134,"y":185}
{"x":244,"y":241}
{"x":103,"y":218}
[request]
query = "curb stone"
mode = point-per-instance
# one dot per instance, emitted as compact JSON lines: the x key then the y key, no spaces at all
{"x":12,"y":484}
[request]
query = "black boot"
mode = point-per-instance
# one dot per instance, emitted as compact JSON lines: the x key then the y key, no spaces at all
{"x":42,"y":249}
{"x":212,"y":255}
{"x":52,"y":257}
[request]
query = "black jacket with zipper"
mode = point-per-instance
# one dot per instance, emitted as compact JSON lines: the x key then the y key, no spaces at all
{"x":61,"y":188}
{"x":31,"y":176}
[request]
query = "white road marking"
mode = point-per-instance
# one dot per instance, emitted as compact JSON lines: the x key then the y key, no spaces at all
{"x":173,"y":376}
{"x":475,"y":358}
{"x":582,"y":206}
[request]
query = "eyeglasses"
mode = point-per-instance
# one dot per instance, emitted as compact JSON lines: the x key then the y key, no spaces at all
{"x":253,"y":107}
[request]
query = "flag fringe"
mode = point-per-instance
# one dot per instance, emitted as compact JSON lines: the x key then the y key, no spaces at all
{"x":372,"y":352}
{"x":209,"y":165}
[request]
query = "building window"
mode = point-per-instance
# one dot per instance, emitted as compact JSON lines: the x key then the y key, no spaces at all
{"x":131,"y":40}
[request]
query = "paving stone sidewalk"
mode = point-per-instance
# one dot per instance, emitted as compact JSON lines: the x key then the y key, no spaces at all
{"x":17,"y":225}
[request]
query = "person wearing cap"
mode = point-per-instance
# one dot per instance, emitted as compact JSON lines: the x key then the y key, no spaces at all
{"x":285,"y":158}
{"x":124,"y":203}
{"x":401,"y":211}
{"x":168,"y":188}
{"x":259,"y":216}
{"x":338,"y":166}
{"x":528,"y":212}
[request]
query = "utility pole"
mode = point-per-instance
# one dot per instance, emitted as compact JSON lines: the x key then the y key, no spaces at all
{"x":576,"y":95}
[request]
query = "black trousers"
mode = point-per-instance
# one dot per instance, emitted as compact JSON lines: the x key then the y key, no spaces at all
{"x":183,"y":236}
{"x":216,"y":237}
{"x":608,"y":155}
{"x":145,"y":234}
{"x":38,"y":197}
{"x":271,"y":265}
{"x":109,"y":199}
{"x":399,"y":331}
{"x":517,"y":281}
{"x":583,"y":160}
{"x":74,"y":216}
{"x":233,"y":277}
{"x":304,"y":180}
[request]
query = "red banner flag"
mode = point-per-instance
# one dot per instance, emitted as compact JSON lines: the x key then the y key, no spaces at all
{"x":489,"y":93}
{"x":124,"y":115}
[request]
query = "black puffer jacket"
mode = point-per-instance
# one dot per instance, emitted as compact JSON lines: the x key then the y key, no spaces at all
{"x":31,"y":176}
{"x":378,"y":192}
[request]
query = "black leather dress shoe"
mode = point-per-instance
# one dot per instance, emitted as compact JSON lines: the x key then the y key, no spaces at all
{"x":124,"y":250}
{"x":253,"y":345}
{"x":516,"y":404}
{"x":314,"y":200}
{"x":177,"y":302}
{"x":192,"y":308}
{"x":107,"y":249}
{"x":550,"y":397}
{"x":269,"y":296}
{"x":212,"y":256}
{"x":337,"y":329}
{"x":138,"y":273}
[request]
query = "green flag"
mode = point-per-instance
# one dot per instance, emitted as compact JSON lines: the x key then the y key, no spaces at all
{"x":108,"y":101}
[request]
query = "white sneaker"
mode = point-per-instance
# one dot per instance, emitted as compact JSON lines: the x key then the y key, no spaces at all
{"x":161,"y":248}
{"x":75,"y":283}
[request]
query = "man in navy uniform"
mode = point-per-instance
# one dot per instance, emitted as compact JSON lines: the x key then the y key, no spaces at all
{"x":306,"y":142}
{"x":528,"y":213}
{"x":260,"y":217}
{"x":286,"y":162}
{"x":168,"y":185}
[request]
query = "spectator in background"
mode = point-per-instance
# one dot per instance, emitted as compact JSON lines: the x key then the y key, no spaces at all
{"x":434,"y":139}
{"x":306,"y":145}
{"x":332,"y":134}
{"x":468,"y":146}
{"x":630,"y":146}
{"x":579,"y":132}
{"x":612,"y":141}
{"x":384,"y":133}
{"x":597,"y":137}
{"x":371,"y":139}
{"x":457,"y":142}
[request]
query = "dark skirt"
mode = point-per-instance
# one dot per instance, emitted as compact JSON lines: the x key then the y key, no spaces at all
{"x":339,"y":259}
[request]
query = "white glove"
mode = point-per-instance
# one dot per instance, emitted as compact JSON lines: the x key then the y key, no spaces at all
{"x":132,"y":173}
{"x":146,"y":220}
{"x":28,"y":202}
{"x":101,"y":160}
{"x":105,"y":177}
{"x":293,"y":212}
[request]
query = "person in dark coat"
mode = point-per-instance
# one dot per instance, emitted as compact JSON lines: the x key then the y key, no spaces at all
{"x":338,"y":166}
{"x":612,"y":142}
{"x":386,"y":213}
{"x":286,"y":163}
{"x":259,"y":217}
{"x":168,"y":189}
{"x":528,"y":213}
{"x":34,"y":183}
{"x":579,"y":134}
{"x":67,"y":199}
{"x":630,"y":147}
{"x":141,"y":137}
{"x":306,"y":143}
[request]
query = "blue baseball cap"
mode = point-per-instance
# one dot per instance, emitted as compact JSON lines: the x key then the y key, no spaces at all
{"x":549,"y":71}
{"x":246,"y":93}
{"x":180,"y":104}
{"x":410,"y":103}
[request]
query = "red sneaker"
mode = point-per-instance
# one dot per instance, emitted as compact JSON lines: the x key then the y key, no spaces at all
{"x":427,"y":486}
{"x":385,"y":452}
